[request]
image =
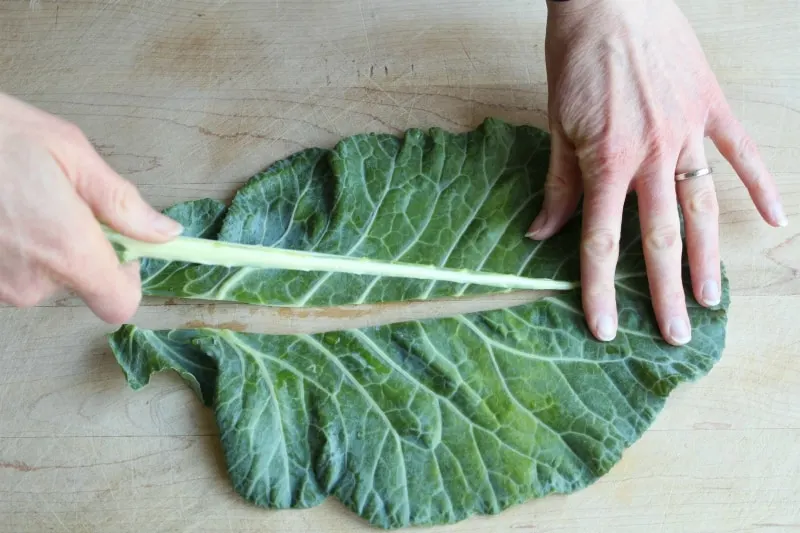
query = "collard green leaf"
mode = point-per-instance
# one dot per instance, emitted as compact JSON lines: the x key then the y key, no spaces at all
{"x":455,"y":200}
{"x":200,"y":218}
{"x":423,"y":422}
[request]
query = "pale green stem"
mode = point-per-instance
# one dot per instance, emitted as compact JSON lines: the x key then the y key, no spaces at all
{"x":227,"y":254}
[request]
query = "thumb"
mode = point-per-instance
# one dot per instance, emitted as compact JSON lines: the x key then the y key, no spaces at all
{"x":562,"y":189}
{"x":116,"y":202}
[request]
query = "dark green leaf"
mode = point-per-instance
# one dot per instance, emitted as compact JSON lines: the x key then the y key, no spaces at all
{"x":458,"y":201}
{"x":421,"y":422}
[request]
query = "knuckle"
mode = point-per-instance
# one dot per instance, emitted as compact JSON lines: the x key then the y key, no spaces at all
{"x":657,"y":147}
{"x":601,"y":243}
{"x":600,"y":290}
{"x":556,"y":182}
{"x":746,"y":148}
{"x":68,"y":255}
{"x":557,"y":186}
{"x":662,"y":238}
{"x":25,"y":299}
{"x":608,"y":163}
{"x":611,"y":155}
{"x":676,"y":294}
{"x":668,"y":292}
{"x":702,"y":202}
{"x":122,"y":195}
{"x":72,"y":132}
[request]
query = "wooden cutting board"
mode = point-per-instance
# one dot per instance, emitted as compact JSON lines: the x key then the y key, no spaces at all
{"x":188,"y":99}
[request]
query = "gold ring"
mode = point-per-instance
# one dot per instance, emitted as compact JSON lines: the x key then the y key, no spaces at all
{"x":693,"y":174}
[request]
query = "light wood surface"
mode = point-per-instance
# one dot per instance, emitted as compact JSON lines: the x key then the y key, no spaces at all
{"x":189,"y":98}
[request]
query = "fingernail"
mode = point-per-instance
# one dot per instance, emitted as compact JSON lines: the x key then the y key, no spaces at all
{"x":679,"y":331}
{"x":779,"y":215}
{"x":166,"y":226}
{"x":538,"y":224}
{"x":710,"y":292}
{"x":606,"y":330}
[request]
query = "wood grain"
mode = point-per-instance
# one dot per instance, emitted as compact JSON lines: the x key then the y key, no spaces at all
{"x":188,"y":99}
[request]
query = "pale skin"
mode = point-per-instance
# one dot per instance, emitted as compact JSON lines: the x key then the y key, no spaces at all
{"x":53,"y":190}
{"x":631,"y":99}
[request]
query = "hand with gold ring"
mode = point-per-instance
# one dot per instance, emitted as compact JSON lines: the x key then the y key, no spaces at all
{"x":631,"y":99}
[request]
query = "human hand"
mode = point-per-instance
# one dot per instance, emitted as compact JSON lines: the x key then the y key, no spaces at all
{"x":54,"y":188}
{"x":631,"y":100}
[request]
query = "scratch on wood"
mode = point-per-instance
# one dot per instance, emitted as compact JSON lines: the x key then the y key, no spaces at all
{"x":787,"y":243}
{"x":469,"y":57}
{"x":199,"y":324}
{"x":712,"y":425}
{"x":364,"y":29}
{"x":19,"y":466}
{"x":235,"y":135}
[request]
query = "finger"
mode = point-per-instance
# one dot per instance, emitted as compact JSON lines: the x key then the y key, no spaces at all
{"x":91,"y":268}
{"x":38,"y":288}
{"x":738,"y":148}
{"x":603,"y":202}
{"x":698,"y":198}
{"x":116,"y":202}
{"x":114,"y":299}
{"x":562,"y":189}
{"x":112,"y":310}
{"x":661,"y":240}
